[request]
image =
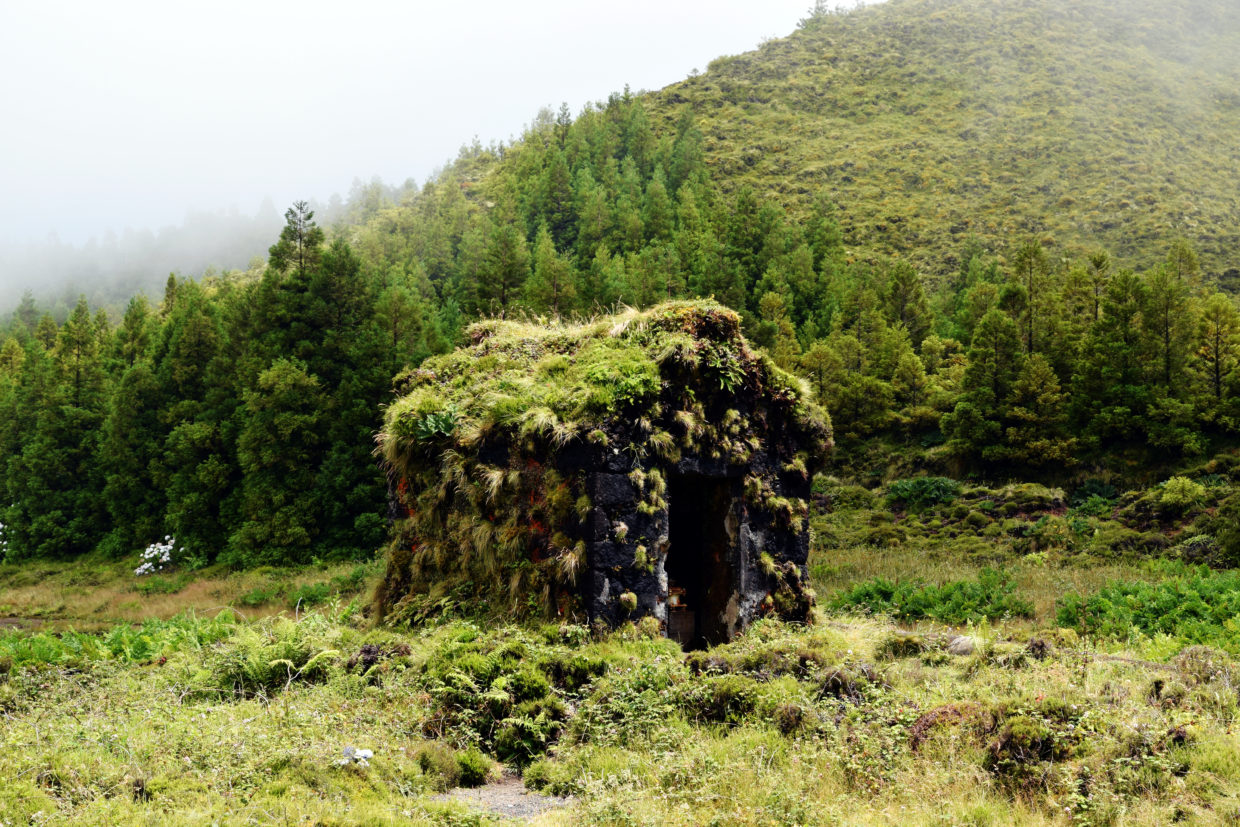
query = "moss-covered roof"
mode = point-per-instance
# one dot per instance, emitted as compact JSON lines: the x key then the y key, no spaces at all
{"x":561,"y":381}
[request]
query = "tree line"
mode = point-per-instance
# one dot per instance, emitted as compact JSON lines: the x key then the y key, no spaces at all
{"x":237,"y":414}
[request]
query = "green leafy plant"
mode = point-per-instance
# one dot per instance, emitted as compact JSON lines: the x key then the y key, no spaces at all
{"x":992,"y":596}
{"x":922,"y":492}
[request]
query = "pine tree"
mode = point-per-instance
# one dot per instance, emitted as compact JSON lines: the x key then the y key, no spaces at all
{"x":995,"y":359}
{"x":905,"y":302}
{"x":1219,"y":338}
{"x":1109,"y":392}
{"x":551,"y":288}
{"x":909,"y":380}
{"x":1036,"y":416}
{"x":1169,"y":325}
{"x":558,"y":199}
{"x":55,"y":476}
{"x":785,"y":350}
{"x":277,"y":449}
{"x":131,"y":441}
{"x":299,"y":242}
{"x":658,"y":214}
{"x":505,"y":268}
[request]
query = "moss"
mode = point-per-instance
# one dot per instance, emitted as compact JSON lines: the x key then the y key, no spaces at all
{"x":901,"y":645}
{"x":492,"y":512}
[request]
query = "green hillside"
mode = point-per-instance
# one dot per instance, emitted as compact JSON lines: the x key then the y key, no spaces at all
{"x":1090,"y":122}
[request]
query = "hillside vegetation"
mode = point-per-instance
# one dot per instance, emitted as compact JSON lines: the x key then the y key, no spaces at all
{"x":1089,"y":122}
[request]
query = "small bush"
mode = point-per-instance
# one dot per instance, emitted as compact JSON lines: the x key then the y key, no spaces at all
{"x":473,"y":767}
{"x":991,"y":597}
{"x":1023,"y":744}
{"x":790,"y":718}
{"x":311,"y":594}
{"x":922,"y":492}
{"x":158,"y":584}
{"x":1180,"y":494}
{"x":439,"y":765}
{"x":572,"y":672}
{"x":1094,"y":506}
{"x":1093,"y":490}
{"x":1201,"y":549}
{"x":976,"y":519}
{"x":724,"y":699}
{"x":1030,"y":496}
{"x":264,"y":658}
{"x":260,"y":595}
{"x":847,"y":683}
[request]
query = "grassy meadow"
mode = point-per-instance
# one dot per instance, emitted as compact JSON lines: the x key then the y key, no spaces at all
{"x":955,"y":674}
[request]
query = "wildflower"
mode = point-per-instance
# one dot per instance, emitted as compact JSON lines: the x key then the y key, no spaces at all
{"x":352,"y":755}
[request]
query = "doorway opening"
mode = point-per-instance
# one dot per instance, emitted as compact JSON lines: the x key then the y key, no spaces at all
{"x":700,"y":562}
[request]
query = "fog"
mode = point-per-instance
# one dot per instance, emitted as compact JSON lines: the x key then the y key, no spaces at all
{"x":142,"y":137}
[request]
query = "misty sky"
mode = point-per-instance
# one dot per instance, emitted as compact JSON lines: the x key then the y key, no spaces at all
{"x":127,"y":114}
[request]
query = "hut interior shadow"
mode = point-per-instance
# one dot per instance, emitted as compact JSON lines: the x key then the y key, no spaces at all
{"x":701,"y":560}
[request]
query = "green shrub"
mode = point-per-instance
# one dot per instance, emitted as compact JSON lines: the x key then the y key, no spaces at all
{"x":1180,"y":494}
{"x":1201,"y":549}
{"x":157,"y":584}
{"x":474,"y":767}
{"x":1093,"y":490}
{"x":439,"y":765}
{"x":264,"y":658}
{"x":842,"y":496}
{"x":124,"y":642}
{"x":629,"y":705}
{"x":719,"y":699}
{"x":1198,"y":607}
{"x":572,"y":672}
{"x":552,"y":778}
{"x":260,"y":595}
{"x":1021,"y":754}
{"x":1030,"y":496}
{"x":529,"y":730}
{"x":976,"y":519}
{"x":790,"y":718}
{"x":1094,"y":506}
{"x":922,"y":492}
{"x":311,"y":594}
{"x":991,"y":596}
{"x":885,"y":536}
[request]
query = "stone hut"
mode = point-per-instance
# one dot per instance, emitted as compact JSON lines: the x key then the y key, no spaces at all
{"x":648,"y":464}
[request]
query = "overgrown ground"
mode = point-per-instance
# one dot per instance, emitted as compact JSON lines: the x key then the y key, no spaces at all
{"x":962,"y":670}
{"x":95,"y":594}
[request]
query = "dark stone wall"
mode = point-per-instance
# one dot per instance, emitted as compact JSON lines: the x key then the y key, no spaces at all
{"x":628,"y":543}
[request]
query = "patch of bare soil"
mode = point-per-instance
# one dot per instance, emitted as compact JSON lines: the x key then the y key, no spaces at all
{"x":507,"y":798}
{"x":20,"y":623}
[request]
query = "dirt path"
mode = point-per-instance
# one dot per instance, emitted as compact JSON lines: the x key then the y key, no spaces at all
{"x":508,"y":799}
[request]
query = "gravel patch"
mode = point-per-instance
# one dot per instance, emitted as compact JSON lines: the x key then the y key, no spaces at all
{"x":507,"y":798}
